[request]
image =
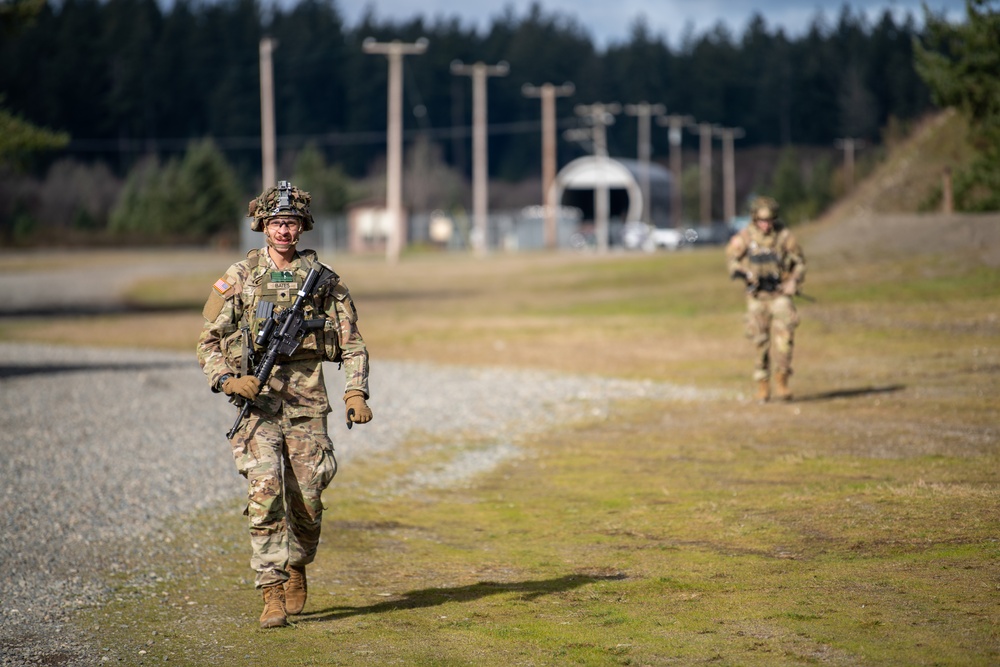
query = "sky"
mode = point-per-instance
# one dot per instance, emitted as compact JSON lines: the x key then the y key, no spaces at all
{"x":610,"y":21}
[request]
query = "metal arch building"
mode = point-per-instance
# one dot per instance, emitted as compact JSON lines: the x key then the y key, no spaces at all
{"x":575,"y":184}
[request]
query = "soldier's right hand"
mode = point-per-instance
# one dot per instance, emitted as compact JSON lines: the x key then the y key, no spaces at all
{"x":746,"y":276}
{"x":247,"y":386}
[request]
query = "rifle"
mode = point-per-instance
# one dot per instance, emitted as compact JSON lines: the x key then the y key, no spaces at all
{"x":281,"y":335}
{"x":752,"y":284}
{"x":765,"y":284}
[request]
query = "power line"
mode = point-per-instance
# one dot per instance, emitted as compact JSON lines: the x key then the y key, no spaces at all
{"x":358,"y":138}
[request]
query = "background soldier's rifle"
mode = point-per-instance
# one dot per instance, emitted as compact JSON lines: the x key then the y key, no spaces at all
{"x":764,"y":284}
{"x":281,"y":335}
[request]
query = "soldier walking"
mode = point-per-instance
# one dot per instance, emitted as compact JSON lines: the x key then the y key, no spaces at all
{"x":768,"y":259}
{"x":283,"y":447}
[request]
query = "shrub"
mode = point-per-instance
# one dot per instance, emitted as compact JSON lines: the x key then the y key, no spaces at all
{"x":196,"y":197}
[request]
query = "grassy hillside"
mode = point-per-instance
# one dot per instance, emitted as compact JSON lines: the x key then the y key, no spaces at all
{"x":911,"y":173}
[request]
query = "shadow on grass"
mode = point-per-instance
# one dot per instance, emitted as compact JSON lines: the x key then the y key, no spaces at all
{"x":83,"y":310}
{"x":850,"y":393}
{"x":432,"y":597}
{"x":12,"y":371}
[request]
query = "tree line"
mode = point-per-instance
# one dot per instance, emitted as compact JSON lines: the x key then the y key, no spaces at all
{"x":124,"y":117}
{"x":125,"y":78}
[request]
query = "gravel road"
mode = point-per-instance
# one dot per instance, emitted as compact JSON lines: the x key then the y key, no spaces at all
{"x":98,"y":447}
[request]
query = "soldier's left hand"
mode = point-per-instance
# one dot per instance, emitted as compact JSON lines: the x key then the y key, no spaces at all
{"x":789,"y":288}
{"x":357,"y":409}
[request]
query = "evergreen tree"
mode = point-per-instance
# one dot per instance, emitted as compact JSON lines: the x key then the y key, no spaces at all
{"x":788,"y":185}
{"x":19,"y":139}
{"x":330,"y":188}
{"x":195,"y":197}
{"x":309,"y":63}
{"x":207,"y":195}
{"x":141,"y":205}
{"x":960,"y":65}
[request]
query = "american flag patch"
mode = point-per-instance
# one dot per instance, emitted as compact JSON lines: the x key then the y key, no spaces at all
{"x":221,"y":286}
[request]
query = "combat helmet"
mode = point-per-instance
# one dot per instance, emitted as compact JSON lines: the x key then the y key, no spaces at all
{"x":282,"y":199}
{"x":764,"y":208}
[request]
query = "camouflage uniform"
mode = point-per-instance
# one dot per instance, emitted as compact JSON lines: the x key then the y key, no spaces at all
{"x":773,"y":265}
{"x":282,"y":448}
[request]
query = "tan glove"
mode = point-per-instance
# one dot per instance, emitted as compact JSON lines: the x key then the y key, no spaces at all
{"x":789,"y":288}
{"x":247,"y":386}
{"x":357,"y":409}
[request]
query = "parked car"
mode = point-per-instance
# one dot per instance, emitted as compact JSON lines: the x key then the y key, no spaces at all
{"x":666,"y":238}
{"x":714,"y":234}
{"x":640,"y":236}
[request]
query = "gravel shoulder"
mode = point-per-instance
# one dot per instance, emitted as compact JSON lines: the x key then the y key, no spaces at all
{"x":99,"y":447}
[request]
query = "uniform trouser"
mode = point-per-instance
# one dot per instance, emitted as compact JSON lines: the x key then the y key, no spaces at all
{"x":288,"y":463}
{"x":771,"y":322}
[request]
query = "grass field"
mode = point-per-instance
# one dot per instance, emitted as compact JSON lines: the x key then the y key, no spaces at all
{"x":857,"y":525}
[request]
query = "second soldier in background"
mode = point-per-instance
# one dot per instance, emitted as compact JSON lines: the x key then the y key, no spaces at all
{"x":770,"y":262}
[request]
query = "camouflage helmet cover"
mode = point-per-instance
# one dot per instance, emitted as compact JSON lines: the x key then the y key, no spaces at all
{"x":282,"y":199}
{"x":764,"y":208}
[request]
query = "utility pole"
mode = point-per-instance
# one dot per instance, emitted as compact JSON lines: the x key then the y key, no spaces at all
{"x":705,"y":177}
{"x":728,"y":134}
{"x":268,"y":151}
{"x":643,"y":111}
{"x":947,"y":192}
{"x":600,"y":115}
{"x":676,"y":124}
{"x":548,"y":94}
{"x":849,"y":144}
{"x":394,"y":52}
{"x":480,"y":162}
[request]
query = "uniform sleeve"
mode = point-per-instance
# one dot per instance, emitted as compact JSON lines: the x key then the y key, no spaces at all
{"x":221,"y":320}
{"x":354,"y":352}
{"x":736,"y":250}
{"x":795,"y":260}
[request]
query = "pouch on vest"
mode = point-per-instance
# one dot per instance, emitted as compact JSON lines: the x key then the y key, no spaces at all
{"x":332,"y":331}
{"x":331,"y":342}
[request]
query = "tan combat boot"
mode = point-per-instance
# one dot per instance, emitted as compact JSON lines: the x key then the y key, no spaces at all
{"x":781,"y":387}
{"x":763,"y":391}
{"x":295,"y":589}
{"x":273,"y":615}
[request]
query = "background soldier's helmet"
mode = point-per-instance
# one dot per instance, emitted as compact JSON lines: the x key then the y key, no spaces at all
{"x":764,"y":208}
{"x":283,"y":199}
